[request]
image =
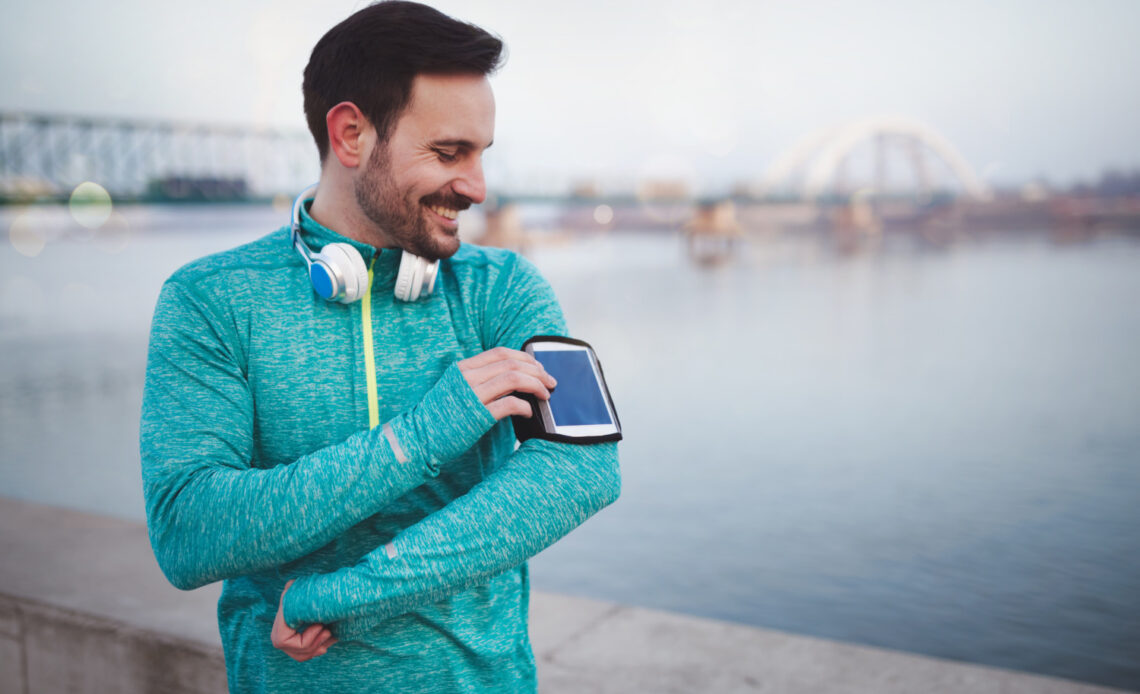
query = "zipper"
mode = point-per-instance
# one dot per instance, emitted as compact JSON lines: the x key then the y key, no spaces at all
{"x":369,"y":358}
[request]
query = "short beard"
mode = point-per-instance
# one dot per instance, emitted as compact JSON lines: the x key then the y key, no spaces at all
{"x":398,"y":217}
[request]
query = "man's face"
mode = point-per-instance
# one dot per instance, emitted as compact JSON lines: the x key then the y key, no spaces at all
{"x":414,"y":186}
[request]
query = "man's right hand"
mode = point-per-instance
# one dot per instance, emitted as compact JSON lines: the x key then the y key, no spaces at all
{"x":299,"y":645}
{"x":497,"y":372}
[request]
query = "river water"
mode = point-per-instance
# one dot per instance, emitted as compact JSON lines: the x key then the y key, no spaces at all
{"x":934,"y":449}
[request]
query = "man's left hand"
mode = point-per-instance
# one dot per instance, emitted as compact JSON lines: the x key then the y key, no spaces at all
{"x":299,"y":645}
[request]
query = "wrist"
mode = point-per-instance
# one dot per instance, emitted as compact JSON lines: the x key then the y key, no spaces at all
{"x":449,"y":420}
{"x":293,"y":601}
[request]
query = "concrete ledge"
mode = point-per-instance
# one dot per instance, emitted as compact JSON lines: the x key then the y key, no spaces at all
{"x":627,"y":649}
{"x":63,"y":651}
{"x":85,"y":608}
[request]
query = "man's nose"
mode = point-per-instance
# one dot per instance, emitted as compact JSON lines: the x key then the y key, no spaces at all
{"x":471,"y":184}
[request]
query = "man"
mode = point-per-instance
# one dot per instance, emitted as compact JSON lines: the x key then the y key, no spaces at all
{"x":347,"y":468}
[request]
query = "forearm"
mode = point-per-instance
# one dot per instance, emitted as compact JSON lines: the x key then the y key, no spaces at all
{"x":542,"y":493}
{"x":211,"y":520}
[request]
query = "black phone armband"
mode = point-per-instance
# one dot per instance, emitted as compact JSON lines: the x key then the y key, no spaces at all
{"x":580,"y":409}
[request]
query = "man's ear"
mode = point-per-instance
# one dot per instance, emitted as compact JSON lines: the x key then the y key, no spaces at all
{"x":348,"y":133}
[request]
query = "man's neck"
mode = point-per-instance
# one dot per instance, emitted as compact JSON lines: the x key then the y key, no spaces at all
{"x":334,"y":207}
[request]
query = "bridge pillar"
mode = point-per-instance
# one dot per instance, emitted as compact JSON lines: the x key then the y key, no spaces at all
{"x":714,"y":232}
{"x":504,"y":228}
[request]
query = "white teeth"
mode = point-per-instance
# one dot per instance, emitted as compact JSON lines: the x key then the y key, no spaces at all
{"x":444,"y":212}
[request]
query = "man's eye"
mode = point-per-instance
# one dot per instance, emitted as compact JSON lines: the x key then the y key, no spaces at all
{"x":446,"y":156}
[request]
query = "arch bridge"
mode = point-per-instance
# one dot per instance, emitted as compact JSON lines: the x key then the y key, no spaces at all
{"x":816,"y":167}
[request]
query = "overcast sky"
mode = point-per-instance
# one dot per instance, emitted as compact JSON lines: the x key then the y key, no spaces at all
{"x":617,"y":89}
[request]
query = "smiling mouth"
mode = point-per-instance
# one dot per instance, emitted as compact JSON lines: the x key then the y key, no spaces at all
{"x":444,"y":212}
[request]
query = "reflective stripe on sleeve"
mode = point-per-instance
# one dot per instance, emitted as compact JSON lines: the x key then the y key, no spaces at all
{"x":394,"y":443}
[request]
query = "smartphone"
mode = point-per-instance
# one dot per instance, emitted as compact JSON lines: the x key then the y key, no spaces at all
{"x":579,"y":405}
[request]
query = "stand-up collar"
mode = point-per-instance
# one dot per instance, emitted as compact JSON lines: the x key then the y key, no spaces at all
{"x":317,"y":235}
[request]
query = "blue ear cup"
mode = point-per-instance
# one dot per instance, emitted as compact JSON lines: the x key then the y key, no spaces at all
{"x":324,"y":282}
{"x":338,"y":273}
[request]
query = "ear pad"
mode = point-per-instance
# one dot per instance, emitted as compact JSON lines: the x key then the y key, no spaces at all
{"x":430,"y":273}
{"x":338,"y":273}
{"x":410,"y":284}
{"x":417,"y":279}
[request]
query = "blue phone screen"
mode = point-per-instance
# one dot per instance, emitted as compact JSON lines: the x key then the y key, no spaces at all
{"x":577,"y":399}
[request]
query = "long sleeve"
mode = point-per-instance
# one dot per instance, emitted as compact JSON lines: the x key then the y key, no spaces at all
{"x":542,"y":493}
{"x":210,"y":513}
{"x":537,"y":495}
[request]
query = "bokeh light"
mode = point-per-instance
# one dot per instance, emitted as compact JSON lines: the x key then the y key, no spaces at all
{"x":603,"y":214}
{"x":26,"y":236}
{"x":90,"y":205}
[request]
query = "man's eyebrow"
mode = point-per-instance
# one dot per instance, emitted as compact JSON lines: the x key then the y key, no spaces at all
{"x":460,"y":142}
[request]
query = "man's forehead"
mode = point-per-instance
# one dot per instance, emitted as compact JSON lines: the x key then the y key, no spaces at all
{"x":452,"y":109}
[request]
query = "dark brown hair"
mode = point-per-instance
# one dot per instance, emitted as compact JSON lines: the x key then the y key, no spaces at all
{"x":372,"y":57}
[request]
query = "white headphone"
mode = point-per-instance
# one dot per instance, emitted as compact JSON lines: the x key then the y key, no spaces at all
{"x":337,"y":272}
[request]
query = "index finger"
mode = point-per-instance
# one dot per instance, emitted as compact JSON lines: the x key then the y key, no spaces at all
{"x":493,"y":355}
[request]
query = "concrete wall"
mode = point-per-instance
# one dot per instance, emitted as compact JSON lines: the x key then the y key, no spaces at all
{"x":85,"y":609}
{"x":47,"y":649}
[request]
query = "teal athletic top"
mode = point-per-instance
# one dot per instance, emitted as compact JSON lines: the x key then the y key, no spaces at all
{"x":268,"y":422}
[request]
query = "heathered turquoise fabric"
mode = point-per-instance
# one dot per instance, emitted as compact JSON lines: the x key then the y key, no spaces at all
{"x":259,"y":467}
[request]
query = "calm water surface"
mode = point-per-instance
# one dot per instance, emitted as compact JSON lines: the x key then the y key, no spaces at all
{"x":936,"y":450}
